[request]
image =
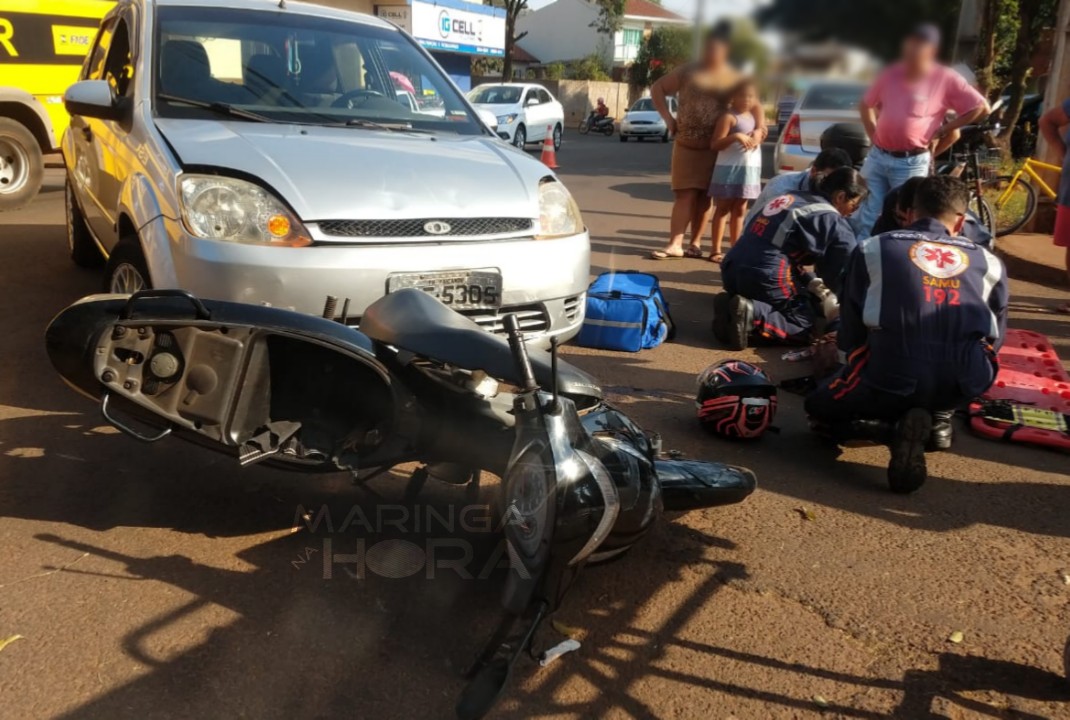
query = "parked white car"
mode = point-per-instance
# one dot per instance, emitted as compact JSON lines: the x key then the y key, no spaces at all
{"x":643,"y":121}
{"x":197,"y":160}
{"x":823,"y":104}
{"x":524,"y":111}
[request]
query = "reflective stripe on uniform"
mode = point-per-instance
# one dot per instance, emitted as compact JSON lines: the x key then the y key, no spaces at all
{"x":794,"y":216}
{"x":993,"y":274}
{"x":871,"y":310}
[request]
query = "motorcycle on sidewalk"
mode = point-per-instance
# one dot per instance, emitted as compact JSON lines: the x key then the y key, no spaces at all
{"x":597,"y":123}
{"x":581,"y":482}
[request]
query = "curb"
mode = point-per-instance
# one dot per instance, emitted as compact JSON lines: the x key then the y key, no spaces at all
{"x":1020,"y":268}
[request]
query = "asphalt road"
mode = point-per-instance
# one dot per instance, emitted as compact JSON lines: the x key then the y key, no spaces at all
{"x":159,"y":581}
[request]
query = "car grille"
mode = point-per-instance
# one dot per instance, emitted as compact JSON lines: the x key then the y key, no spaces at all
{"x":573,"y":305}
{"x":532,"y":318}
{"x":459,"y":227}
{"x":640,"y":122}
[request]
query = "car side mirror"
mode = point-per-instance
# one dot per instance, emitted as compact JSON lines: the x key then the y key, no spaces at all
{"x":532,"y":101}
{"x":92,"y":98}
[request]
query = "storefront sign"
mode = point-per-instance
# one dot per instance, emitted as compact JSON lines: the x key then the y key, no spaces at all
{"x":459,"y":27}
{"x":400,"y":15}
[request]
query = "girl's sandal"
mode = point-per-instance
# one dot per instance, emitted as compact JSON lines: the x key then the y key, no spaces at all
{"x":716,"y":258}
{"x":693,"y":252}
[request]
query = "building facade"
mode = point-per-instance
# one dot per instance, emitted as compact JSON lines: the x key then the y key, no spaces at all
{"x":453,"y":31}
{"x":564,"y":30}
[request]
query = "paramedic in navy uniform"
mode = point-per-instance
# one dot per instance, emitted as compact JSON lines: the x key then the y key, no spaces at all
{"x":922,"y":315}
{"x":768,"y":292}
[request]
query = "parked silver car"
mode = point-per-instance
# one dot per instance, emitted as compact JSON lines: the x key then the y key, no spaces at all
{"x":269,"y":152}
{"x":823,"y":104}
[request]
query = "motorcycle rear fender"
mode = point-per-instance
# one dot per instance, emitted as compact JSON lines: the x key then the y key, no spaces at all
{"x":232,"y":374}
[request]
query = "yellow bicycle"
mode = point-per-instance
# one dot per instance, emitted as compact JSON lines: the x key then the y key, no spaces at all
{"x":1013,"y":198}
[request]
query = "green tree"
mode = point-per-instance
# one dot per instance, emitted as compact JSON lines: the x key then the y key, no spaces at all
{"x":748,"y":48}
{"x":1032,"y":16}
{"x":663,"y":50}
{"x":876,"y":25}
{"x":592,"y":67}
{"x":610,"y":16}
{"x":513,"y":9}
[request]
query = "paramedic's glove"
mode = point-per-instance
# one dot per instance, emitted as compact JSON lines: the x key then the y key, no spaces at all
{"x":826,"y":357}
{"x":830,"y":304}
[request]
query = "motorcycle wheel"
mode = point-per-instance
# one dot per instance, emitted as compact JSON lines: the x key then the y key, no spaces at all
{"x":584,"y":127}
{"x":608,"y":129}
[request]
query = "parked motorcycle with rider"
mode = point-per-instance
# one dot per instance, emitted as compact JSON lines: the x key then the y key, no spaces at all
{"x":581,"y":482}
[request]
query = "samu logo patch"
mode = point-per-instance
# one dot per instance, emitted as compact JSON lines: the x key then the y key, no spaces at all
{"x":939,"y":260}
{"x":778,"y":205}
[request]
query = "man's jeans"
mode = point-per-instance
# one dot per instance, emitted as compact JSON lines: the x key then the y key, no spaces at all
{"x":884,"y":173}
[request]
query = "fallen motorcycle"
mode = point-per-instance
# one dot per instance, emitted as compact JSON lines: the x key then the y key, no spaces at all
{"x":581,"y":482}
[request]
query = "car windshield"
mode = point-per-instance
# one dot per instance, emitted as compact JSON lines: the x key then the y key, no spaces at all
{"x":290,"y":67}
{"x":496,"y":95}
{"x":832,"y":97}
{"x":644,"y":105}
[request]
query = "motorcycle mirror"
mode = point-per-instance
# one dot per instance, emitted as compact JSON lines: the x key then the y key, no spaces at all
{"x":520,"y":353}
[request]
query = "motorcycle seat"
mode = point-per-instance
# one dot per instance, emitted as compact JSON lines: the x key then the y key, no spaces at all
{"x":413,"y":320}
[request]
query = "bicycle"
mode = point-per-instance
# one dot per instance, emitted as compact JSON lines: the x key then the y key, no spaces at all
{"x":977,"y":167}
{"x":1014,"y":198}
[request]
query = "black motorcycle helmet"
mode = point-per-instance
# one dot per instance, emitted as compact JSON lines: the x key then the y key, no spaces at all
{"x":736,"y":399}
{"x":850,"y":137}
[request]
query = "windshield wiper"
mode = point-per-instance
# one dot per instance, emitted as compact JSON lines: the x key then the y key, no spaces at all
{"x":392,"y":127}
{"x":217,"y":107}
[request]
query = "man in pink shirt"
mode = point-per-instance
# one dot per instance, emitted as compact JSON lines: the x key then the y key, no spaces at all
{"x":903,"y":113}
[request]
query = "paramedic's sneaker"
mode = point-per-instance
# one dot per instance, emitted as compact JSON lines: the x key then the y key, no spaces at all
{"x":720,"y":316}
{"x":907,"y":471}
{"x":740,"y":321}
{"x":940,"y":439}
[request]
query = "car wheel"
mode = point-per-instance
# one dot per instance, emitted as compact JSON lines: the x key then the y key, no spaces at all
{"x":665,"y":137}
{"x":624,"y":138}
{"x":558,"y":134}
{"x":520,"y":138}
{"x":127,"y":271}
{"x":22,"y":167}
{"x":83,"y":250}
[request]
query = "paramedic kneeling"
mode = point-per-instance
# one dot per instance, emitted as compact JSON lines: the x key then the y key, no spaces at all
{"x":922,"y":315}
{"x":764,"y":278}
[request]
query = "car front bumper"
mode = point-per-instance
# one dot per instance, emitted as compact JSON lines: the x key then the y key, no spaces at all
{"x":628,"y":129}
{"x":543,"y":281}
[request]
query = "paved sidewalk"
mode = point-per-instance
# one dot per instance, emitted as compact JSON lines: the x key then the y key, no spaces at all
{"x":1033,"y":257}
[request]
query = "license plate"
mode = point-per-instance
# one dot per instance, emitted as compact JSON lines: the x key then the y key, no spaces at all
{"x":459,"y":289}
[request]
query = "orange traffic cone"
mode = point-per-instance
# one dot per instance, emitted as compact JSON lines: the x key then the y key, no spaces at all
{"x":549,"y":155}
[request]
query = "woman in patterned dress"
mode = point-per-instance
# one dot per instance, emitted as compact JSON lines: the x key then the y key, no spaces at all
{"x":700,"y":91}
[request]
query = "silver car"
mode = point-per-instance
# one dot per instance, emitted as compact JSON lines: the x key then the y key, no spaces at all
{"x":270,"y":153}
{"x":823,"y":104}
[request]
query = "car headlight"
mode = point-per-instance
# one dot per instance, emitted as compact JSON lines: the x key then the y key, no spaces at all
{"x":507,"y":119}
{"x":215,"y":207}
{"x":559,"y":215}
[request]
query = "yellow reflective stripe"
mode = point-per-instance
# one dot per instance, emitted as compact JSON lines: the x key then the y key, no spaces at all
{"x":68,"y":8}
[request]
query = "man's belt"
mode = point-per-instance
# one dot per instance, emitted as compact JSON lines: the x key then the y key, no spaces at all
{"x":904,"y":153}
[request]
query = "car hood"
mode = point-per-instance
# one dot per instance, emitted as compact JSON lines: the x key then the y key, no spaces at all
{"x":497,"y":109}
{"x":327,"y":173}
{"x":643,"y":115}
